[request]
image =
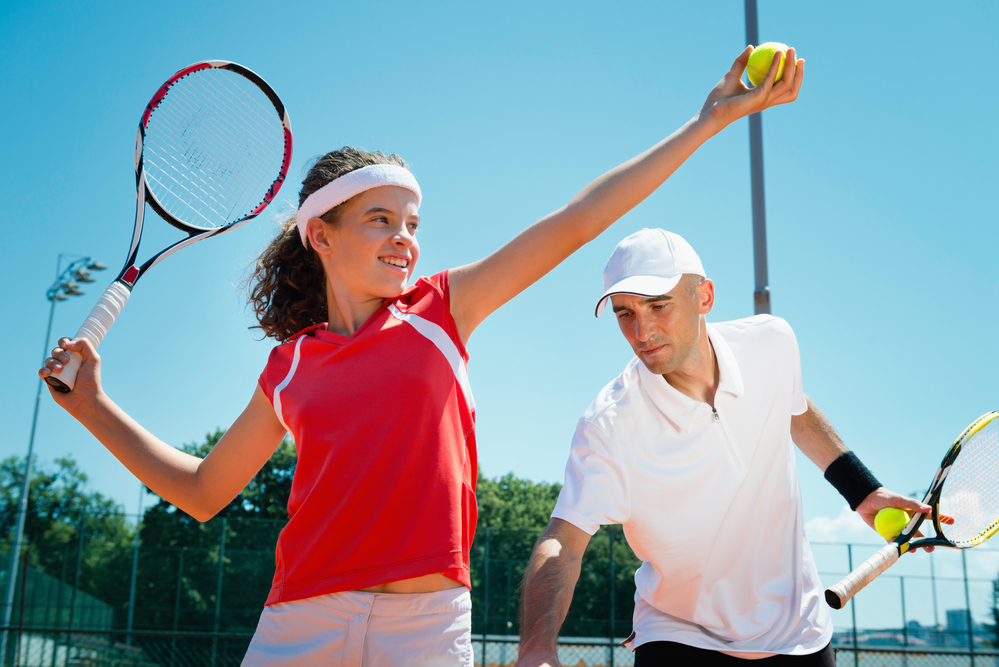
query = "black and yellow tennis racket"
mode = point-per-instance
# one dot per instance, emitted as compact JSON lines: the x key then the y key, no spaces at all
{"x":965,"y":488}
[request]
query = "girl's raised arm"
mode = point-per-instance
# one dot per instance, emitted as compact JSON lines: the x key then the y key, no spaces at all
{"x":480,"y":288}
{"x":200,"y":487}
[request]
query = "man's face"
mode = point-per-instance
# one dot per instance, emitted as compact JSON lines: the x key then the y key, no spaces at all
{"x":662,"y":330}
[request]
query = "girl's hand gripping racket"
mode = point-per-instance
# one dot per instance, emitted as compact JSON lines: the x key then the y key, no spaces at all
{"x":213,"y":149}
{"x":965,"y":488}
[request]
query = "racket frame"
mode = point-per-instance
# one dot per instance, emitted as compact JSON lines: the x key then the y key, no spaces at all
{"x":130,"y":273}
{"x":114,"y":298}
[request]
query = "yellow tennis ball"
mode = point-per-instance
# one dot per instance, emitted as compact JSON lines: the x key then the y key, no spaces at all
{"x":760,"y":59}
{"x":890,"y":521}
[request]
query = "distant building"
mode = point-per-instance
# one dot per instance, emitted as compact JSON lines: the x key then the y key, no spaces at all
{"x":957,"y":620}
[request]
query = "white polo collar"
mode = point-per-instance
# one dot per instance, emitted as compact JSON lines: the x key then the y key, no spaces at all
{"x":680,"y":409}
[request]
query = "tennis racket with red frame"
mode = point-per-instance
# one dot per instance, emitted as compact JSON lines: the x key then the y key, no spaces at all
{"x":964,"y":496}
{"x":213,"y":149}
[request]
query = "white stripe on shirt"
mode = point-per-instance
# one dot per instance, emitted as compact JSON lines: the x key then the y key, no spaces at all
{"x":286,"y":381}
{"x":436,"y":335}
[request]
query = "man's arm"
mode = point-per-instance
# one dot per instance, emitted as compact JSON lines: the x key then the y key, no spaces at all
{"x":817,"y":439}
{"x":547,"y":592}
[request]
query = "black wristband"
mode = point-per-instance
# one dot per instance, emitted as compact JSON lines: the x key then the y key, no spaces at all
{"x":851,"y":478}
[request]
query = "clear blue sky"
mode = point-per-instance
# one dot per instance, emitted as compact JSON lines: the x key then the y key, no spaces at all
{"x":880,"y":201}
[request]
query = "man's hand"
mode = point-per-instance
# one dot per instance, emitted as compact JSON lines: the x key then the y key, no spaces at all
{"x":731,"y":99}
{"x":531,"y":660}
{"x":881,"y":498}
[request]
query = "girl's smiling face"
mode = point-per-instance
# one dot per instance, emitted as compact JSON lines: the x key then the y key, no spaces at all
{"x":371,"y":249}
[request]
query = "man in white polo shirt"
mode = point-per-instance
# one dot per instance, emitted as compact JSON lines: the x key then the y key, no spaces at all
{"x":690,"y":450}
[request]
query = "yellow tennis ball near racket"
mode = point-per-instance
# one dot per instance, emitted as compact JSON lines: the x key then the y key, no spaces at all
{"x":760,"y":59}
{"x":890,"y":521}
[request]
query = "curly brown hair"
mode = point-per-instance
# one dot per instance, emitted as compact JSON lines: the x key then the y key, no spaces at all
{"x":287,"y":288}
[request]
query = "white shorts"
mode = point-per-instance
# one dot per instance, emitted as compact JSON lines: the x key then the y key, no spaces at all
{"x":357,"y":629}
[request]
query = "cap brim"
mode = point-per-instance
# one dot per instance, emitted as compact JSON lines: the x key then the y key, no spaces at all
{"x":640,"y":285}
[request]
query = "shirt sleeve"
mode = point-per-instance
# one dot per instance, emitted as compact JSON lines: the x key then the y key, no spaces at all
{"x":275,"y":371}
{"x":596,"y":489}
{"x":798,"y":404}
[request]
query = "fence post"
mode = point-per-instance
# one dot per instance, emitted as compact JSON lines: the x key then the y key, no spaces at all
{"x":610,"y":534}
{"x":967,"y":603}
{"x":485,"y":597}
{"x":76,"y":585}
{"x":936,"y":615}
{"x":131,"y":588}
{"x":218,"y":593}
{"x":58,"y":621}
{"x":20,"y":622}
{"x":49,"y":609}
{"x":135,"y":568}
{"x":509,"y":574}
{"x":905,"y":629}
{"x":33,"y":605}
{"x":905,"y":624}
{"x":176,"y":604}
{"x":853,"y":610}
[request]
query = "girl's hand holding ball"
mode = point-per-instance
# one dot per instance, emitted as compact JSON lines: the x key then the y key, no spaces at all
{"x":760,"y":59}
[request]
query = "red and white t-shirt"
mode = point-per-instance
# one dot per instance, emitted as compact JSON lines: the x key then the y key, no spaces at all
{"x":384,"y":427}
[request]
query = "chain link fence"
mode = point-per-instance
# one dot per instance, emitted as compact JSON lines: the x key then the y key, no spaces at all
{"x":187,"y":594}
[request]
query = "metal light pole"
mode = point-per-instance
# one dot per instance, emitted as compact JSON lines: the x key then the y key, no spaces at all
{"x":761,"y":295}
{"x":65,"y":286}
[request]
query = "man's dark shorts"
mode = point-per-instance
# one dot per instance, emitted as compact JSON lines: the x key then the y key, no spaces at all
{"x":668,"y":654}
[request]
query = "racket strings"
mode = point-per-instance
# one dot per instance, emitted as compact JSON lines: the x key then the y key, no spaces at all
{"x":971,"y":491}
{"x":213,"y":148}
{"x":199,"y":152}
{"x":226,"y":135}
{"x":220,"y":95}
{"x":197,"y":190}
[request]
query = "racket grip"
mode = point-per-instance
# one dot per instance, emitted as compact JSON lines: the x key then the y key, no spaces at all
{"x":840,"y":594}
{"x":94,"y":328}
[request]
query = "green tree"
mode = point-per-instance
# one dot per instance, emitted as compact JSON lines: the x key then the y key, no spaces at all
{"x":590,"y":613}
{"x":255,"y":515}
{"x":511,"y":503}
{"x":512,"y":514}
{"x":57,"y":500}
{"x":265,"y":497}
{"x":58,"y":505}
{"x":180,"y":555}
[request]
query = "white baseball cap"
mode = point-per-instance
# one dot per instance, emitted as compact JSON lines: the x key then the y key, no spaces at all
{"x":648,"y":263}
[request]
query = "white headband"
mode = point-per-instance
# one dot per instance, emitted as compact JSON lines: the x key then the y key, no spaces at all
{"x":351,"y":184}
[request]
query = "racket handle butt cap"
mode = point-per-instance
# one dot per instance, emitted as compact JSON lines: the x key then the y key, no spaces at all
{"x":65,"y":380}
{"x":838,"y":595}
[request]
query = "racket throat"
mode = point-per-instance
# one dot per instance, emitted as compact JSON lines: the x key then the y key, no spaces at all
{"x":129,"y":276}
